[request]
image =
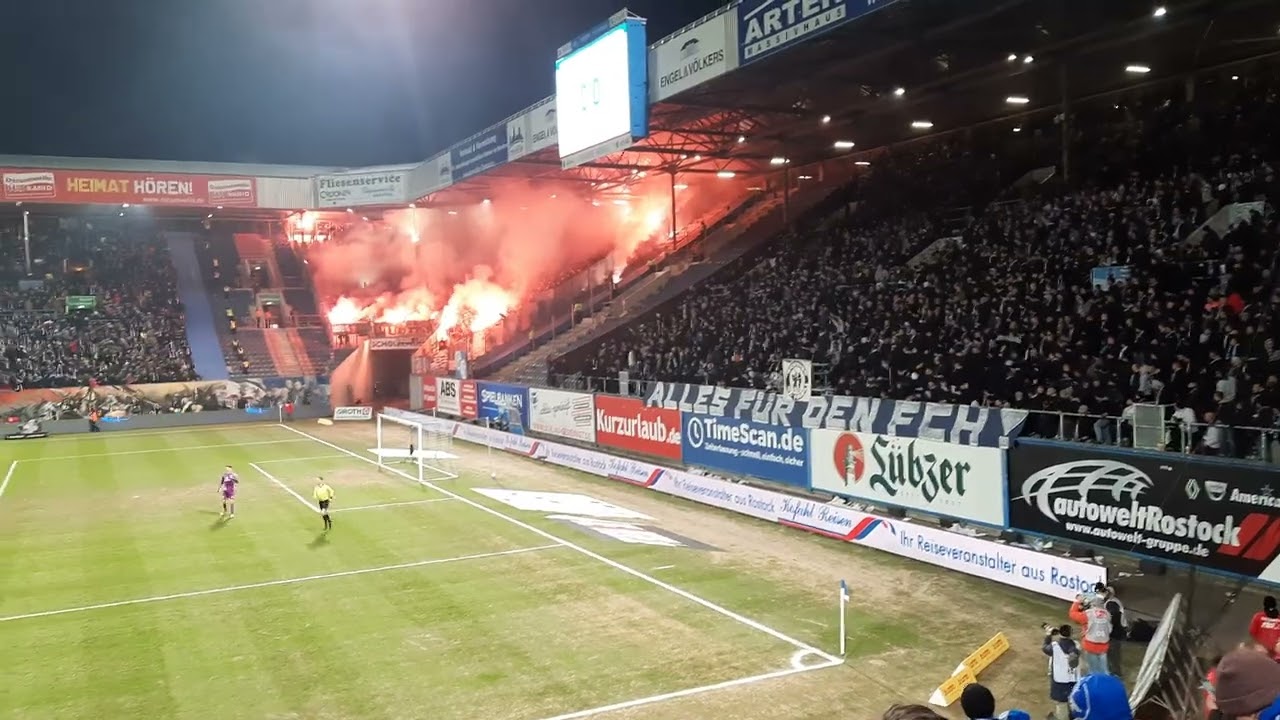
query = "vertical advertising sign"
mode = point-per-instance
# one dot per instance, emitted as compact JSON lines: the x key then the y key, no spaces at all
{"x":742,"y":447}
{"x":456,"y":397}
{"x":696,"y":55}
{"x":956,"y":481}
{"x":627,"y":424}
{"x":567,"y":414}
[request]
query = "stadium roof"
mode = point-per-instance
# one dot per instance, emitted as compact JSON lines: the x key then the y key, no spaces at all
{"x":943,"y":65}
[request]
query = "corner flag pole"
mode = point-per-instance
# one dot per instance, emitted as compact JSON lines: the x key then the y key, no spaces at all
{"x":844,"y":601}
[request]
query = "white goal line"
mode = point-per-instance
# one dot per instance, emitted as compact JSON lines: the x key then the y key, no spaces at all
{"x":275,"y":583}
{"x":737,"y":617}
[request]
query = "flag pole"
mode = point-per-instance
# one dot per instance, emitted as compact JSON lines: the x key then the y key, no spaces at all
{"x":844,"y":601}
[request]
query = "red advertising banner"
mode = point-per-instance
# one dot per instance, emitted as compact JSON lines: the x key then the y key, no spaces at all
{"x":468,"y":401}
{"x":627,"y":424}
{"x":428,"y":392}
{"x":103,"y":187}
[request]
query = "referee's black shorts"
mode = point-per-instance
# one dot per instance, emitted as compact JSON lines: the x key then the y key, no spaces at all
{"x":324,"y":505}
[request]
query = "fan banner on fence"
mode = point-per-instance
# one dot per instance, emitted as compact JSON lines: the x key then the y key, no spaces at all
{"x":955,"y":481}
{"x":797,"y":378}
{"x":104,"y":187}
{"x":931,"y":421}
{"x":497,"y":398}
{"x":1041,"y":573}
{"x":118,"y":403}
{"x":567,"y":414}
{"x":386,"y":187}
{"x":456,"y":397}
{"x":704,"y":51}
{"x":1223,"y":516}
{"x":627,"y":424}
{"x":740,"y":447}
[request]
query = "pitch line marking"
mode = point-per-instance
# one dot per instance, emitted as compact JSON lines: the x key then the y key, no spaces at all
{"x":299,"y":459}
{"x":737,"y":617}
{"x":739,"y":682}
{"x":161,"y":450}
{"x":284,"y":487}
{"x":391,"y":504}
{"x":274,"y":583}
{"x":131,"y":434}
{"x":13,"y":466}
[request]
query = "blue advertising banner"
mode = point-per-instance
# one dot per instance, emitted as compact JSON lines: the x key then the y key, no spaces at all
{"x":959,"y":424}
{"x":496,"y":399}
{"x":767,"y":26}
{"x":486,"y":149}
{"x":742,"y":447}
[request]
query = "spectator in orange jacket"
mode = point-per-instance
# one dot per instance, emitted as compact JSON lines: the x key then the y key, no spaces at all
{"x":1095,"y":639}
{"x":1265,"y":627}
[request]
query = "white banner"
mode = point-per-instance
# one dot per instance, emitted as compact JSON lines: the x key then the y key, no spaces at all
{"x":449,"y":396}
{"x":444,"y":171}
{"x":405,"y":342}
{"x":353,"y":412}
{"x":518,"y":136}
{"x":543,"y":126}
{"x":939,"y":478}
{"x":385,"y":187}
{"x":1057,"y":577}
{"x":693,"y":57}
{"x":797,"y":378}
{"x":567,"y":414}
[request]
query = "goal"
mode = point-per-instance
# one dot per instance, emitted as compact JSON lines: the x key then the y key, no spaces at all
{"x":427,"y":447}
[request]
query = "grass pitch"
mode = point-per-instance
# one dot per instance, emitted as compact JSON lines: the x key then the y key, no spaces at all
{"x":123,"y":594}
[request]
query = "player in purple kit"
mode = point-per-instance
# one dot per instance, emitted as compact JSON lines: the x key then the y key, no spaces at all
{"x":227,"y":487}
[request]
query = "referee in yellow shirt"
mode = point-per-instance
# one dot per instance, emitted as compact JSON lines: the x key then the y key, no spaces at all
{"x":323,"y":495}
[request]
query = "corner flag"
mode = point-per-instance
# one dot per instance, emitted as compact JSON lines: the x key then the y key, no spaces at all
{"x":844,"y":600}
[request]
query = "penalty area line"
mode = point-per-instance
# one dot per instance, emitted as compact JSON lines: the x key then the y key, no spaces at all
{"x":282,"y":486}
{"x":392,"y":504}
{"x":720,"y":609}
{"x":275,"y":583}
{"x":738,"y":682}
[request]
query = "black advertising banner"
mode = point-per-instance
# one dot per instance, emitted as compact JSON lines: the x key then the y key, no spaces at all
{"x":1178,"y":508}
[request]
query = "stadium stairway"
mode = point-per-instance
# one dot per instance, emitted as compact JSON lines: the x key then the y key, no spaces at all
{"x":760,"y":223}
{"x":283,"y":355}
{"x":202,"y":334}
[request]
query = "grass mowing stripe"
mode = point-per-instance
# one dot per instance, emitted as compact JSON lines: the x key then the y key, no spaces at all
{"x":273,"y":583}
{"x":160,"y":450}
{"x":594,"y":555}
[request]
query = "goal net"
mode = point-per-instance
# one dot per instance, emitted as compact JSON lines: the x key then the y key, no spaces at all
{"x":424,"y":449}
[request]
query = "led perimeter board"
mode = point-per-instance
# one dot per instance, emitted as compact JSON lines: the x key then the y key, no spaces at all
{"x":602,"y":91}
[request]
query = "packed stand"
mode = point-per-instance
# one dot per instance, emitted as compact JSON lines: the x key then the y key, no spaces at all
{"x":134,"y":333}
{"x":1005,"y":313}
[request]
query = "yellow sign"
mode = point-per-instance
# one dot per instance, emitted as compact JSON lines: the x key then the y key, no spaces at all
{"x":990,"y":651}
{"x":949,"y":691}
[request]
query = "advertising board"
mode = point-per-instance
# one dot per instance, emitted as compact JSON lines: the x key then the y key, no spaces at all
{"x":105,"y":187}
{"x":700,"y":53}
{"x":353,"y":412}
{"x":402,"y":342}
{"x":480,"y":152}
{"x":1045,"y":574}
{"x":384,"y":187}
{"x":960,"y":424}
{"x":742,"y":447}
{"x":627,"y":424}
{"x":496,"y":398}
{"x":768,"y":26}
{"x":955,"y":481}
{"x":1217,"y":515}
{"x":456,"y":397}
{"x":567,"y":414}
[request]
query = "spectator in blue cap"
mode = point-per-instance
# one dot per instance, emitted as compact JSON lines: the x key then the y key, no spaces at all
{"x":1100,"y":697}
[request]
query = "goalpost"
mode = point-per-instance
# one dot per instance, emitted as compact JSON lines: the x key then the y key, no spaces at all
{"x":426,"y":446}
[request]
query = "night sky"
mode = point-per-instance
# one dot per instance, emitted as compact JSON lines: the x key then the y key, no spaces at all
{"x":308,"y":82}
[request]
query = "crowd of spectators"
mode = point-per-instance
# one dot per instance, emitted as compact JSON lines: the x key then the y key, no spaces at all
{"x":134,"y":333}
{"x":1002,"y":309}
